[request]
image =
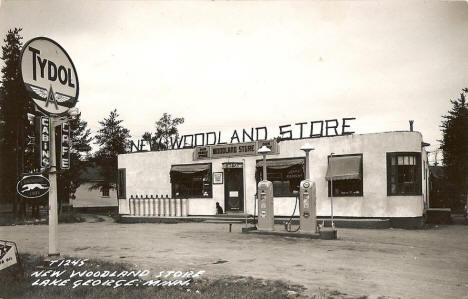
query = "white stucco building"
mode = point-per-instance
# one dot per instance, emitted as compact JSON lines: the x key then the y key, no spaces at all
{"x":385,"y":175}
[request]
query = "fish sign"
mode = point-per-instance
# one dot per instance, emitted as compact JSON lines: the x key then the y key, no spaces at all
{"x":49,"y":76}
{"x":33,"y":186}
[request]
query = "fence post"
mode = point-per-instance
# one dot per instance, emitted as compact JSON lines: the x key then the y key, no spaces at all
{"x":157,"y":208}
{"x":131,"y":208}
{"x":172,"y":205}
{"x":184,"y":207}
{"x":178,"y":206}
{"x":167,"y":210}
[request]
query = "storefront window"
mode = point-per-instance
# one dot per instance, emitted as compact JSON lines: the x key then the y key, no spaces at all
{"x":403,"y":173}
{"x":189,"y":181}
{"x":346,"y":187}
{"x":285,"y":174}
{"x":344,"y":175}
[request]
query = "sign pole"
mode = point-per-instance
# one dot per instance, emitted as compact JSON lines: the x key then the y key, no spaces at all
{"x":54,"y":91}
{"x":53,"y":210}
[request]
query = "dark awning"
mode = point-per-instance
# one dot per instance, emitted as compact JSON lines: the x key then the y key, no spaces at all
{"x":281,"y":163}
{"x":190,"y":168}
{"x":344,"y":168}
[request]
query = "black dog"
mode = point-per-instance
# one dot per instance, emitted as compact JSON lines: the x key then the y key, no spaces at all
{"x":219,"y":210}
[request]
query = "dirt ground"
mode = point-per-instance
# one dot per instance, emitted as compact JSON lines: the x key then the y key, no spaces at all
{"x":430,"y":263}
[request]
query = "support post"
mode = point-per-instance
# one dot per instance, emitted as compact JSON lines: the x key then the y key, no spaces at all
{"x":53,"y":210}
{"x":331,"y":197}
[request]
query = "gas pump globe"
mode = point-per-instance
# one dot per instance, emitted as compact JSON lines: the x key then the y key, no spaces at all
{"x":265,"y":197}
{"x":307,"y":198}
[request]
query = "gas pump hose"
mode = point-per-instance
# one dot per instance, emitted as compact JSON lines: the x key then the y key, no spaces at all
{"x":255,"y":209}
{"x":290,"y":219}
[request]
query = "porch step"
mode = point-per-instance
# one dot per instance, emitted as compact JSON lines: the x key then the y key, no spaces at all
{"x":224,"y":221}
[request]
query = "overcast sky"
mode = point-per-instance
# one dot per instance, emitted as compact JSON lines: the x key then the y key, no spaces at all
{"x":242,"y":64}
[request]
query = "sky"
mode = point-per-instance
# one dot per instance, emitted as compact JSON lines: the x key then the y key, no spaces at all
{"x":243,"y":64}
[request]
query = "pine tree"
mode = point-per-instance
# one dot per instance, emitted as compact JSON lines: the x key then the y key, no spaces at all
{"x":14,"y":124}
{"x":454,"y":146}
{"x":166,"y":131}
{"x":113,"y":140}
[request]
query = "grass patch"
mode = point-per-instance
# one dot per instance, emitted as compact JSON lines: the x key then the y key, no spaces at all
{"x":7,"y":219}
{"x":20,"y":285}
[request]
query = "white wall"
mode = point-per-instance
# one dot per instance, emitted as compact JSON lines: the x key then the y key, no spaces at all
{"x":148,"y":174}
{"x":93,"y":198}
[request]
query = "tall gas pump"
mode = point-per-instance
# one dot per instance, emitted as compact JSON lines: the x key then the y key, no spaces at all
{"x":266,"y":218}
{"x":307,"y":198}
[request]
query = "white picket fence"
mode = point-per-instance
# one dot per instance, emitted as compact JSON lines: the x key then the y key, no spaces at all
{"x":154,"y":206}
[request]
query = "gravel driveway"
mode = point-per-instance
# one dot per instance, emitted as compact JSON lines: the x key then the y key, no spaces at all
{"x":430,"y":263}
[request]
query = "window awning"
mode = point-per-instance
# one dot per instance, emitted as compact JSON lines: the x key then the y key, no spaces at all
{"x":344,"y":168}
{"x":281,"y":163}
{"x":190,"y":168}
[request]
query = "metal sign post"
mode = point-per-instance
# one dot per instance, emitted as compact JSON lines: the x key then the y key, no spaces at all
{"x":53,"y":210}
{"x":50,"y":79}
{"x":331,"y":197}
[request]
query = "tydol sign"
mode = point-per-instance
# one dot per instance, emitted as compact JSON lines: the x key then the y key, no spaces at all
{"x":49,"y":76}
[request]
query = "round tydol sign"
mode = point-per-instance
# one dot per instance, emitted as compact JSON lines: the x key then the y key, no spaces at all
{"x":49,"y":76}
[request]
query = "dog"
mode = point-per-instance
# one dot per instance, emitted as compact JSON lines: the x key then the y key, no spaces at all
{"x":29,"y":187}
{"x":219,"y":209}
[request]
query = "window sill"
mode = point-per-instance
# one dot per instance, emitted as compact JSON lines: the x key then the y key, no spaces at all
{"x":334,"y":196}
{"x":405,"y":194}
{"x":193,"y":197}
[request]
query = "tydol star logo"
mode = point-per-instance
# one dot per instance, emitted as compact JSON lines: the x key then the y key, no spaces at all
{"x":51,"y":98}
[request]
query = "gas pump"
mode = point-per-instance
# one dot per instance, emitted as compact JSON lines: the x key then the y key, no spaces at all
{"x":266,"y":218}
{"x":307,"y":206}
{"x":307,"y":198}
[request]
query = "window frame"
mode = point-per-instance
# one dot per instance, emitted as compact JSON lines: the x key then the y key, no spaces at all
{"x":361,"y":189}
{"x":209,"y":174}
{"x":276,"y":159}
{"x":121,"y":183}
{"x":418,"y":170}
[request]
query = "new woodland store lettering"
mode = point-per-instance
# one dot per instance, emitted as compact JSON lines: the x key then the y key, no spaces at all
{"x":301,"y":130}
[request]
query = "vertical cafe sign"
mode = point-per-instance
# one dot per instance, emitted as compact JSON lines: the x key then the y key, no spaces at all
{"x":65,"y":147}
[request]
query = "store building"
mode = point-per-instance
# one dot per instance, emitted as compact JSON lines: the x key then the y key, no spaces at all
{"x":379,"y":175}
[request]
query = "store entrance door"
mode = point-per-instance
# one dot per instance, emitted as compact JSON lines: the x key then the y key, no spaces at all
{"x":234,"y":190}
